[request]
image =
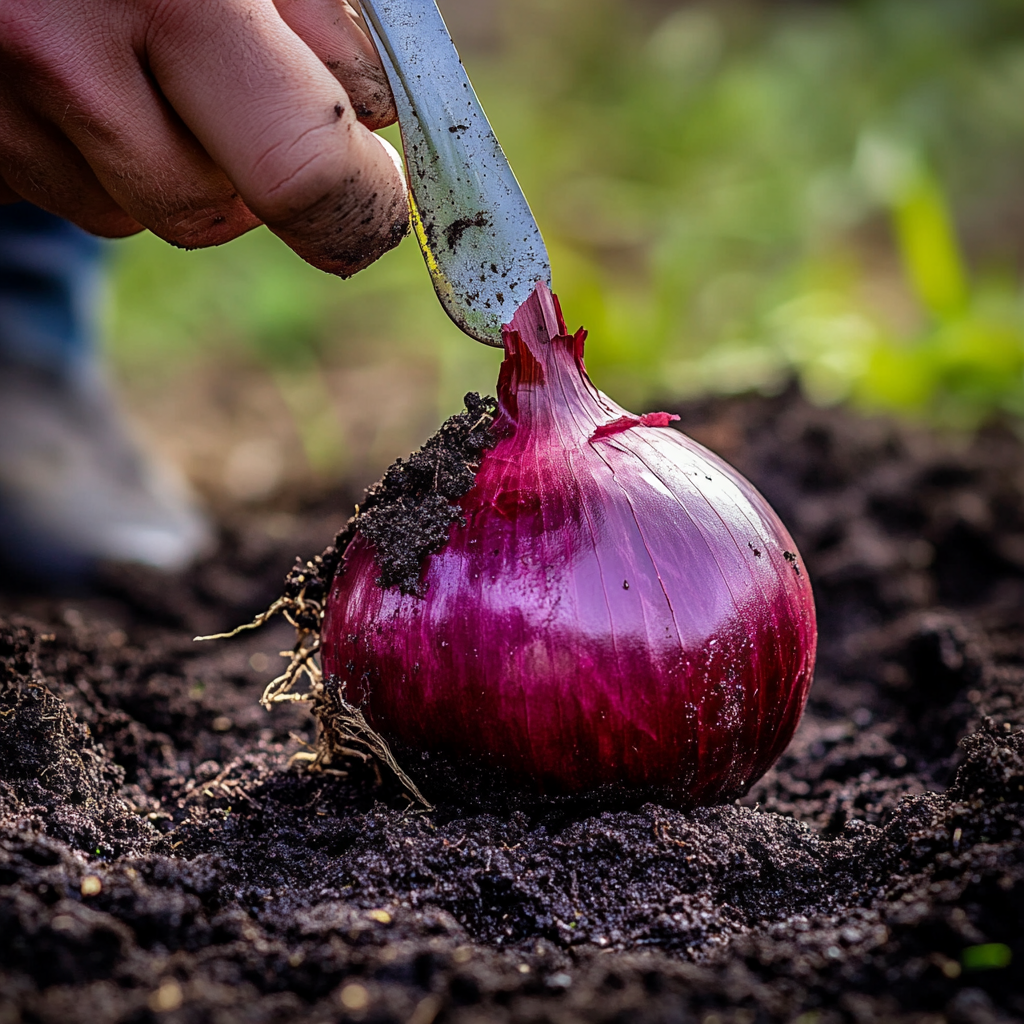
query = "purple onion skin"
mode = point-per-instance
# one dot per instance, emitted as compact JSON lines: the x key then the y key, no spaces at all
{"x":617,"y":611}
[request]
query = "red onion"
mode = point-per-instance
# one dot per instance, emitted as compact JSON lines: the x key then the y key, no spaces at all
{"x":616,"y":606}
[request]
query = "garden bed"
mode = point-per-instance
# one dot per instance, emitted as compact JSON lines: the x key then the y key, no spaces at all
{"x":162,"y":857}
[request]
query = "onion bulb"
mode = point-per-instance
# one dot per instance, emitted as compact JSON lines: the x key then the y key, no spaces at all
{"x":612,"y":606}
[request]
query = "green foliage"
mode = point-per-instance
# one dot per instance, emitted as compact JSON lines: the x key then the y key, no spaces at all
{"x":987,"y":957}
{"x":732,"y":194}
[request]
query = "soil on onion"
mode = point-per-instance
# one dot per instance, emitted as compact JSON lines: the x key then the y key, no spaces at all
{"x":162,"y":859}
{"x":406,"y":515}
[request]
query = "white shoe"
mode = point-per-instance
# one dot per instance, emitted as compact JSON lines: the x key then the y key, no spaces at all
{"x":75,"y":487}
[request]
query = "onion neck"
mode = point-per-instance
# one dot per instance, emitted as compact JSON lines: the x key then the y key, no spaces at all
{"x":543,"y":383}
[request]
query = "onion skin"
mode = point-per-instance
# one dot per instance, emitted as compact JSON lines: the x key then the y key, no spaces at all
{"x":621,"y":608}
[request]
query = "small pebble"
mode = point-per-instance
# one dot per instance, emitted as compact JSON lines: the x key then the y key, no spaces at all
{"x":167,"y":997}
{"x":355,"y":997}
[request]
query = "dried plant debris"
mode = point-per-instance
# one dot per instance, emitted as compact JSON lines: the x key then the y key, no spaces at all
{"x":162,"y":858}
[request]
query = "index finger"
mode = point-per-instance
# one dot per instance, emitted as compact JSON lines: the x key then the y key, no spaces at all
{"x":281,"y":127}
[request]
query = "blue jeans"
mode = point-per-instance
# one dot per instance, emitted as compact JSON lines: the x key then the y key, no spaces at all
{"x":50,"y":278}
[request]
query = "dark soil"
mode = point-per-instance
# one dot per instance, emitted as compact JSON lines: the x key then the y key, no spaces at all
{"x":407,"y":514}
{"x":159,"y":859}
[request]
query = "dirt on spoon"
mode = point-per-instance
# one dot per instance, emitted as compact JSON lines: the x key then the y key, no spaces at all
{"x":162,"y":857}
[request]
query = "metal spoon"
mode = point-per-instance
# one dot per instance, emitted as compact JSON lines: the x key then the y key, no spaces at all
{"x":480,"y":241}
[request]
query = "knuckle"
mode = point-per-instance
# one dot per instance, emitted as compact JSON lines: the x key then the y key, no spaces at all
{"x":20,"y":31}
{"x":68,"y":190}
{"x":49,"y":61}
{"x":168,"y":18}
{"x":83,"y":203}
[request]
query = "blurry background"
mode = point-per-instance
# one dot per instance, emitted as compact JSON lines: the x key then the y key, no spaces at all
{"x":735,"y":195}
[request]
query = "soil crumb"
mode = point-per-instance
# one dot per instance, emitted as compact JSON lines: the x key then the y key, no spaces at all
{"x":162,"y":857}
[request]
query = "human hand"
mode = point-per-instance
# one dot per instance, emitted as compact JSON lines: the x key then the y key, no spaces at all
{"x":198,"y":119}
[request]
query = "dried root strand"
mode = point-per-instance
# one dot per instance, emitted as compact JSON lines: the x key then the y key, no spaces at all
{"x":344,"y":732}
{"x":260,"y":620}
{"x":342,"y":724}
{"x":222,"y":787}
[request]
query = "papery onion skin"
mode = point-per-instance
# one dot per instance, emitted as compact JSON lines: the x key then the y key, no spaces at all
{"x":621,"y":608}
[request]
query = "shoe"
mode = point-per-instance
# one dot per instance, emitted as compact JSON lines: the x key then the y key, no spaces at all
{"x":76,"y":489}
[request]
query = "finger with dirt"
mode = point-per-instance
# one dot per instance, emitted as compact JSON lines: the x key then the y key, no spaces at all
{"x":199,"y":121}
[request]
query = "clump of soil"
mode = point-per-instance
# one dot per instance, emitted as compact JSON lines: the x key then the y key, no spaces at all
{"x":162,"y":858}
{"x":407,"y":514}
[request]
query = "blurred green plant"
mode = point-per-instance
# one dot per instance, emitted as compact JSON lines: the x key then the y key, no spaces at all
{"x":968,"y":358}
{"x":740,"y":193}
{"x":733,"y":194}
{"x":987,"y":957}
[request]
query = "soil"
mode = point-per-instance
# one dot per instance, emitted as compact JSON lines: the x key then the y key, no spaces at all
{"x":407,"y":514}
{"x":161,"y":857}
